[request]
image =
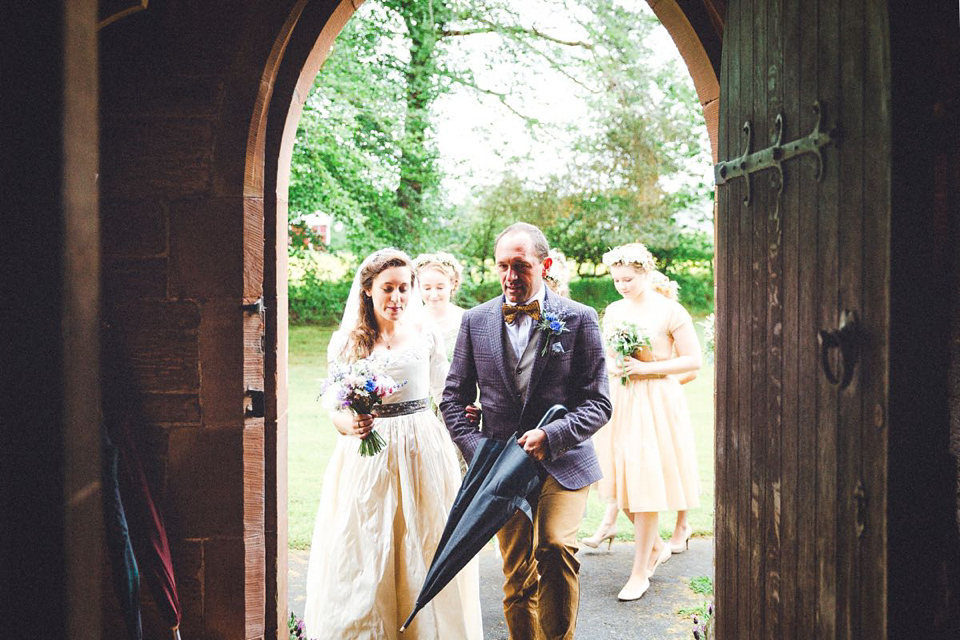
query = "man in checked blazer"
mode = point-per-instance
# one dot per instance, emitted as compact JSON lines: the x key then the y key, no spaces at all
{"x":522,"y":370}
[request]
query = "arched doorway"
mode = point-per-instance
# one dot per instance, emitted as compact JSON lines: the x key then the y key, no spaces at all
{"x":305,"y":50}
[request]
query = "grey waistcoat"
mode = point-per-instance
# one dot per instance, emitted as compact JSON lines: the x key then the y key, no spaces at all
{"x":524,"y":368}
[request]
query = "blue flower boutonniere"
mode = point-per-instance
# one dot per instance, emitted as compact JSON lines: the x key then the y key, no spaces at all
{"x":553,"y":322}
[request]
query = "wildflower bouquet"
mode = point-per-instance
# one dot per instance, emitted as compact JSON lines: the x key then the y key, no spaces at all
{"x":359,"y":387}
{"x":625,"y":339}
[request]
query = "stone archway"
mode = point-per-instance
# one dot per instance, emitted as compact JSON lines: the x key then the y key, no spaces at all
{"x":697,"y":33}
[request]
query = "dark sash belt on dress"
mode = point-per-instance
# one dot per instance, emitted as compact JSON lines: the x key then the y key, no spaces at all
{"x":401,"y":408}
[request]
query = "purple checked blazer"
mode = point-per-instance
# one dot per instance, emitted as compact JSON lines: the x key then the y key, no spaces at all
{"x":573,"y":374}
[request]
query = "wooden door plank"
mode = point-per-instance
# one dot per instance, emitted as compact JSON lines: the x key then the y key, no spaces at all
{"x":850,"y":264}
{"x":757,"y":223}
{"x":725,"y":514}
{"x":828,"y":218}
{"x":773,"y":381}
{"x":738,"y":96}
{"x":806,"y":336}
{"x":876,"y":307}
{"x":790,"y":583}
{"x":745,"y":571}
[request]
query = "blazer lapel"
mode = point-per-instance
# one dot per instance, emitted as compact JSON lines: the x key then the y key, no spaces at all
{"x":497,"y":333}
{"x":541,"y":359}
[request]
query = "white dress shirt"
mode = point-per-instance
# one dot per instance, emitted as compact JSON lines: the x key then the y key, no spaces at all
{"x":519,"y":331}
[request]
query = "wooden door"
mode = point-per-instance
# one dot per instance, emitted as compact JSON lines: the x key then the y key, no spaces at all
{"x":801,"y":480}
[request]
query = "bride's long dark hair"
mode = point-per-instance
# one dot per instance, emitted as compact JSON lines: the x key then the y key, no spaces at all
{"x":364,"y":335}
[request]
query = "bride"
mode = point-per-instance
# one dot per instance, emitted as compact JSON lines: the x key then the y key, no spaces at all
{"x":381,"y":517}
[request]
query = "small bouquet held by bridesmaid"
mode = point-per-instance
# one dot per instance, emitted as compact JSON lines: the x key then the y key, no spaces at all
{"x":359,"y":387}
{"x":625,"y":339}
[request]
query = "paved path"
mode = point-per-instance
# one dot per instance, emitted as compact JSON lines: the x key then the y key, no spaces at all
{"x":602,"y":574}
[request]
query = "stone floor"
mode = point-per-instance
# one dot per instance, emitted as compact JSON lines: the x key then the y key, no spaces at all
{"x":602,"y":574}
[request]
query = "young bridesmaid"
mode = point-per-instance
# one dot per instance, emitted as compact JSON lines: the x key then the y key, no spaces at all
{"x":647,"y":451}
{"x":439,"y":275}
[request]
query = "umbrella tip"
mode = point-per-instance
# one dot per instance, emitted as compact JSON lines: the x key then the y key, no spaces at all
{"x":409,"y":620}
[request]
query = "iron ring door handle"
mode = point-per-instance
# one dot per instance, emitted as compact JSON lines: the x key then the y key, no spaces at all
{"x":846,"y":338}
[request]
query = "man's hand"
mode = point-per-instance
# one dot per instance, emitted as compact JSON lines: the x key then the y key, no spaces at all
{"x":534,"y":442}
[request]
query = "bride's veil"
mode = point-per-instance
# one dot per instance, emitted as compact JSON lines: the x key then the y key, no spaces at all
{"x":414,"y":311}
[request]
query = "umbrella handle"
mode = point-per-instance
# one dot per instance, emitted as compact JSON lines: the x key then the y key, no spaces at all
{"x":553,"y":413}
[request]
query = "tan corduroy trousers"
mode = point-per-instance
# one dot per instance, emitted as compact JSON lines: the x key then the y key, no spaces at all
{"x":541,"y":593}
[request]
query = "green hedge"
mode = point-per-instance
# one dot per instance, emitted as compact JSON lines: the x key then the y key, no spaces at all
{"x":315,"y":300}
{"x":470,"y":294}
{"x":696,"y":290}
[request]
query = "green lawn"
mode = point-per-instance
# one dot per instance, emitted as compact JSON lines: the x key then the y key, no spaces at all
{"x":312,"y":437}
{"x":311,"y":434}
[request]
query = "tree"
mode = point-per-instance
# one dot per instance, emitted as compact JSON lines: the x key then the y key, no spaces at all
{"x":645,"y":125}
{"x":365,"y":151}
{"x":367,"y":154}
{"x":345,"y":159}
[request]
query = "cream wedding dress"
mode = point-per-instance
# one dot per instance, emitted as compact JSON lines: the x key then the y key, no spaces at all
{"x":380,"y":518}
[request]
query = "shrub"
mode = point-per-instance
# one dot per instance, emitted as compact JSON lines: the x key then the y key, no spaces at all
{"x":318,"y":287}
{"x":317,"y":293}
{"x":696,"y":285}
{"x":594,"y":292}
{"x":472,"y":293}
{"x":316,"y":301}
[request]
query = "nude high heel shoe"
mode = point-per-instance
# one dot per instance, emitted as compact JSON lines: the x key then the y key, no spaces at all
{"x":604,"y":533}
{"x":683,"y":546}
{"x":633,"y":591}
{"x":665,"y":554}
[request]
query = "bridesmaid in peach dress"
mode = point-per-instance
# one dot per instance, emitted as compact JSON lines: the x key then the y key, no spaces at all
{"x":647,"y":450}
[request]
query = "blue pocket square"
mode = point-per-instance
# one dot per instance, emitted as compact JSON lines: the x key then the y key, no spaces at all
{"x":557,"y":348}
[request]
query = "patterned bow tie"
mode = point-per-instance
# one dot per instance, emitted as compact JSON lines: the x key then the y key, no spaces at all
{"x":511,"y":311}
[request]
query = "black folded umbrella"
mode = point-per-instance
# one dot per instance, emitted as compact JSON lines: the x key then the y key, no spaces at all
{"x":499,"y":482}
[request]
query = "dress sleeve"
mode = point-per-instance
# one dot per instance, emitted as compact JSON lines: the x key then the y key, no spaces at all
{"x":678,"y":317}
{"x":438,"y":364}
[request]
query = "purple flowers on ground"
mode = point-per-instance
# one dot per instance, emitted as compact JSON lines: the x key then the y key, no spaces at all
{"x":298,"y":630}
{"x":702,"y":630}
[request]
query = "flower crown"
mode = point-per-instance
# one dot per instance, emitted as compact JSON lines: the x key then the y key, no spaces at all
{"x":664,"y":285}
{"x":441,"y":258}
{"x":631,"y":255}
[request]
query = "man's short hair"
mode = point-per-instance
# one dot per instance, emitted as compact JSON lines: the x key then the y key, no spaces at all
{"x":540,"y":245}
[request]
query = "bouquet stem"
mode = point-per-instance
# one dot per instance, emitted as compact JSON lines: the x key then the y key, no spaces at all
{"x":372,"y":444}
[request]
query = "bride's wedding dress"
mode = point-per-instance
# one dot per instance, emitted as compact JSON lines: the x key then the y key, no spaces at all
{"x":381,"y":517}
